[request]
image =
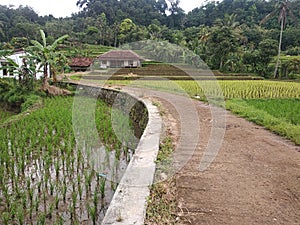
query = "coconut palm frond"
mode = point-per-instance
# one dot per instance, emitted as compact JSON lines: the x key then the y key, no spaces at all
{"x":267,"y":17}
{"x":293,"y":17}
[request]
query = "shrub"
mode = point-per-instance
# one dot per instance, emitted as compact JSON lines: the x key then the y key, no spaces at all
{"x":14,"y":95}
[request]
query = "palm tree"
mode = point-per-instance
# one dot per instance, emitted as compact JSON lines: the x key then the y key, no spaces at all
{"x":45,"y":55}
{"x":283,"y":7}
{"x":2,"y":29}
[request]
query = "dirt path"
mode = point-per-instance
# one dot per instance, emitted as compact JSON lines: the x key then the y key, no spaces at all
{"x":255,"y":178}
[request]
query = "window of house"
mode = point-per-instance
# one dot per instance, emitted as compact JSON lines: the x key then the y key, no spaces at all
{"x":5,"y":72}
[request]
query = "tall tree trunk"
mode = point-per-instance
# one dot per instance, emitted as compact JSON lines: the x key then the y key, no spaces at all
{"x":221,"y":64}
{"x":53,"y":72}
{"x":279,"y":49}
{"x":45,"y":78}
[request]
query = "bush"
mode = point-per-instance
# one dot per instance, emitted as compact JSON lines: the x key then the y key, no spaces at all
{"x":30,"y":101}
{"x":14,"y":95}
{"x":293,"y":51}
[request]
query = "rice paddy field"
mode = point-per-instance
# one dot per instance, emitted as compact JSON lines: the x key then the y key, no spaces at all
{"x":243,"y":89}
{"x":229,"y":89}
{"x":46,"y":173}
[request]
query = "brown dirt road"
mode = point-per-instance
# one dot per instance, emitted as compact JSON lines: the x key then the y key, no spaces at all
{"x":255,"y":178}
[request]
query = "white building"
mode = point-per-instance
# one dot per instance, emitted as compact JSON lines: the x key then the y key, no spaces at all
{"x":119,"y":59}
{"x":17,"y":57}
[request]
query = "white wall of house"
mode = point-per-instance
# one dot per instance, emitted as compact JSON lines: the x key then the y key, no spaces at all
{"x":16,"y":57}
{"x":119,"y":63}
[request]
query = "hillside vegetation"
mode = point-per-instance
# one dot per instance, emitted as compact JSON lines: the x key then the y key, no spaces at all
{"x":229,"y":35}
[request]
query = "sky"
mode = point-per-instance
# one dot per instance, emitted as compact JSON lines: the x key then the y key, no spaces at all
{"x":64,"y":8}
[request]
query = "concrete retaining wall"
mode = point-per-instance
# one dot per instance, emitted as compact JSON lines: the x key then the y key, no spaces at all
{"x":129,"y":202}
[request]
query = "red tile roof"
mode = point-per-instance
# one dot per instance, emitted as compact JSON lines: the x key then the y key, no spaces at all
{"x":81,"y":62}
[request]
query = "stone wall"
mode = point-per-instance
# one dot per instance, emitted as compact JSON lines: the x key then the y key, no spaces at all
{"x":126,"y":103}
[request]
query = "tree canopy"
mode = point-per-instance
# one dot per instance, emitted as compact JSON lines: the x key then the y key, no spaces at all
{"x":234,"y":23}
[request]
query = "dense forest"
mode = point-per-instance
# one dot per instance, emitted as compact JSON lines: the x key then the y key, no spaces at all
{"x":230,"y":35}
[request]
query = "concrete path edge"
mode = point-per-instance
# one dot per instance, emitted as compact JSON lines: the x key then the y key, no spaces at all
{"x":129,"y":202}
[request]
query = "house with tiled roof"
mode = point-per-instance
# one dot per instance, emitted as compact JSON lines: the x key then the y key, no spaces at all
{"x":81,"y":63}
{"x":119,"y":59}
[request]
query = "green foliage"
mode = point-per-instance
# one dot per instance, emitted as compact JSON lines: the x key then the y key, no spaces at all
{"x":4,"y":114}
{"x":220,"y":32}
{"x":140,"y":11}
{"x":19,"y":42}
{"x":15,"y":95}
{"x":165,"y":150}
{"x":294,"y":51}
{"x":221,"y":42}
{"x":30,"y":101}
{"x":47,"y":55}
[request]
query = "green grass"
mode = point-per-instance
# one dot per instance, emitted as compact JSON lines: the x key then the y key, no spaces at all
{"x":278,"y":115}
{"x":162,"y":202}
{"x":284,"y":109}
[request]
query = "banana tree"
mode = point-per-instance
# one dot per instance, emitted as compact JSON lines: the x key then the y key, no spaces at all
{"x":45,"y":54}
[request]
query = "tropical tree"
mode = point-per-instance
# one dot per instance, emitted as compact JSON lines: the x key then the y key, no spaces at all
{"x":127,"y":27}
{"x":45,"y":54}
{"x":283,"y":7}
{"x":222,"y":41}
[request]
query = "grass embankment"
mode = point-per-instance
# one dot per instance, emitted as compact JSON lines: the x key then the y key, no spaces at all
{"x":282,"y":116}
{"x":162,"y":202}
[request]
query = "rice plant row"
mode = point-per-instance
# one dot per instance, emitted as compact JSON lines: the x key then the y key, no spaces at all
{"x":228,"y":88}
{"x":242,"y":89}
{"x":46,"y":176}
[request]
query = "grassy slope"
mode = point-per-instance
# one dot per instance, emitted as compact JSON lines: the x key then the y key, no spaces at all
{"x":278,"y":115}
